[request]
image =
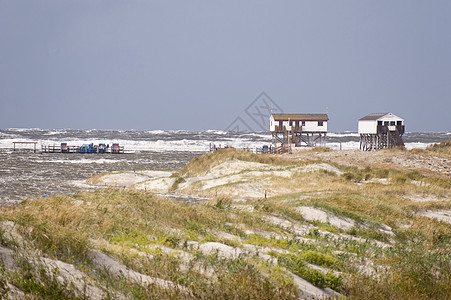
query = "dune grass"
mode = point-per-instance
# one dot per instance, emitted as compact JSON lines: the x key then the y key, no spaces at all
{"x":438,"y":149}
{"x":200,"y":165}
{"x":65,"y":226}
{"x":391,"y":253}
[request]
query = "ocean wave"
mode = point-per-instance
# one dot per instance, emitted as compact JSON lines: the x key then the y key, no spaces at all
{"x":410,"y":146}
{"x":156,"y":132}
{"x":25,"y":129}
{"x":260,"y":135}
{"x":185,"y":145}
{"x":345,"y":134}
{"x":220,"y":132}
{"x":8,"y":135}
{"x":55,"y":132}
{"x":182,"y":140}
{"x":343,"y":146}
{"x":80,"y":161}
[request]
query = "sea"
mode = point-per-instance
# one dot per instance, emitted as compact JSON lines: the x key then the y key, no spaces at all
{"x":25,"y":174}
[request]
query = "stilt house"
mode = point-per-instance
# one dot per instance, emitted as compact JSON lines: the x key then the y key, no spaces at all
{"x":299,"y":129}
{"x":380,"y":130}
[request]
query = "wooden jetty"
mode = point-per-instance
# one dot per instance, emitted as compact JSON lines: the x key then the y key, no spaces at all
{"x":25,"y":143}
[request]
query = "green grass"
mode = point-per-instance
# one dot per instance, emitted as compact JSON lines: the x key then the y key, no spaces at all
{"x":296,"y":264}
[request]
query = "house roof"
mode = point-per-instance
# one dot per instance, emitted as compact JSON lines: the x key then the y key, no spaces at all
{"x":306,"y":117}
{"x":376,"y":116}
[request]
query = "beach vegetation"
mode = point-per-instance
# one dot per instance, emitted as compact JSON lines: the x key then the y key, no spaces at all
{"x":319,"y":150}
{"x":202,"y":164}
{"x":239,"y":247}
{"x":178,"y":180}
{"x":296,"y":264}
{"x":442,"y":149}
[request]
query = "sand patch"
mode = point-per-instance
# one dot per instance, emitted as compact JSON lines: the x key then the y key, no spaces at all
{"x":316,"y":214}
{"x":375,"y":180}
{"x":309,"y":291}
{"x":127,"y":179}
{"x":425,"y":198}
{"x":222,"y":250}
{"x":156,"y":185}
{"x":441,"y":215}
{"x":294,"y":227}
{"x":226,"y":236}
{"x":11,"y":233}
{"x":154,"y":181}
{"x":66,"y":273}
{"x":242,"y":207}
{"x":235,"y":166}
{"x":155,"y":173}
{"x":321,"y":167}
{"x":115,"y":268}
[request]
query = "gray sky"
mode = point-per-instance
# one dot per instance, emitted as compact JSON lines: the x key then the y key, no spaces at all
{"x":198,"y":64}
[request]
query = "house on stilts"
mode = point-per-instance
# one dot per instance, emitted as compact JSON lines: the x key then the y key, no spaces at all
{"x":380,"y":130}
{"x":299,"y":129}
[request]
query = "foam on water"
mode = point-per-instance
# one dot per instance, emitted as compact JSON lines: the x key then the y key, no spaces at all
{"x":55,"y":132}
{"x":217,"y":132}
{"x":181,"y":140}
{"x":79,"y":161}
{"x":344,"y":134}
{"x":27,"y":174}
{"x":343,"y":146}
{"x":410,"y":146}
{"x":156,"y":132}
{"x":25,"y":129}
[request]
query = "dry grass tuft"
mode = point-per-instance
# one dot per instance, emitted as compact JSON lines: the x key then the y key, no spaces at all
{"x":319,"y":150}
{"x":442,"y":149}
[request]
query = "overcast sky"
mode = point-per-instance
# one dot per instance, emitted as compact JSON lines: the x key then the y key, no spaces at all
{"x":199,"y":64}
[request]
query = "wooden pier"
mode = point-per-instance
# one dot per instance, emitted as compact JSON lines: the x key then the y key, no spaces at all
{"x":34,"y":145}
{"x":86,"y":148}
{"x":58,"y":149}
{"x":64,"y":148}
